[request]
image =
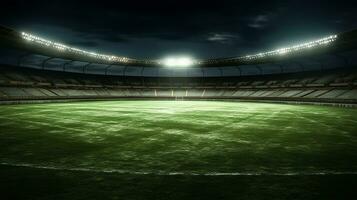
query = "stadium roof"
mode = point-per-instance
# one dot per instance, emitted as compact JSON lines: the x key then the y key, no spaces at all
{"x":39,"y":45}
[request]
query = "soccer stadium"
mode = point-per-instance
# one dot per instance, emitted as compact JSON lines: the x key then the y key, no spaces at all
{"x":78,"y":124}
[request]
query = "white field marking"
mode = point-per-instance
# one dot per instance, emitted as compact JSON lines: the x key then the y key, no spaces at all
{"x":164,"y":173}
{"x":203,"y":93}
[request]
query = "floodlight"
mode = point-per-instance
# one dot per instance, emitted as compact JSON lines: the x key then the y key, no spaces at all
{"x":299,"y":47}
{"x":63,"y":47}
{"x":178,"y":61}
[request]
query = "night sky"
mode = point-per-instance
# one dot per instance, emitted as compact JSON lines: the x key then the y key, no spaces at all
{"x":201,"y":29}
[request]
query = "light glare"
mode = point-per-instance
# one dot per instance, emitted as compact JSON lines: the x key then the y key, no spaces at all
{"x":178,"y":62}
{"x":303,"y":46}
{"x":63,"y":47}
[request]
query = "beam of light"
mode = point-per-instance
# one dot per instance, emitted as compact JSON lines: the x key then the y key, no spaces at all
{"x":177,"y":61}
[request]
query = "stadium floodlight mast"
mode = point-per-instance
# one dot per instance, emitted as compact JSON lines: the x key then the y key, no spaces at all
{"x":178,"y":61}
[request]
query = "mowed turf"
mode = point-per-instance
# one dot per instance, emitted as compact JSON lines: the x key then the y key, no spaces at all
{"x":156,"y":139}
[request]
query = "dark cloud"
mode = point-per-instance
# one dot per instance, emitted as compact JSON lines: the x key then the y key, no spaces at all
{"x":153,"y":28}
{"x":224,"y":38}
{"x":260,"y":21}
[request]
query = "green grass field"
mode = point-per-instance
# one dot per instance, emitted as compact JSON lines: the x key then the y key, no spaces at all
{"x":177,"y":150}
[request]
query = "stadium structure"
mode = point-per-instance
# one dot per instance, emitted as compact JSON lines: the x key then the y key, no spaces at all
{"x":42,"y":69}
{"x":99,"y":126}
